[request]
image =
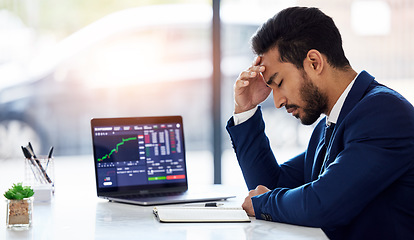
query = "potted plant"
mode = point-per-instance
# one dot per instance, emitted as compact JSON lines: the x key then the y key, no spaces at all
{"x":19,"y":206}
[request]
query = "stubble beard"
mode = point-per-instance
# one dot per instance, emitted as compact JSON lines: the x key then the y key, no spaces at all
{"x":316,"y":102}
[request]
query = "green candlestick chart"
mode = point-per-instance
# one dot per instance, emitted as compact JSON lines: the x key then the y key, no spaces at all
{"x":115,"y":150}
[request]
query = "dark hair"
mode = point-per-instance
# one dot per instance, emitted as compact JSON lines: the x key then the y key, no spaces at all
{"x":297,"y":30}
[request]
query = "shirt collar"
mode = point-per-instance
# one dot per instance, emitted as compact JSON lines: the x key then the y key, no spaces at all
{"x":336,"y":110}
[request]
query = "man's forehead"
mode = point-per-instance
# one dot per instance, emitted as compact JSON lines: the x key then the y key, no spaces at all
{"x":270,"y":57}
{"x":270,"y":60}
{"x":267,"y":60}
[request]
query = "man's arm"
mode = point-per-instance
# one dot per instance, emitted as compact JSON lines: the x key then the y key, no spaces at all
{"x":252,"y":147}
{"x":256,"y":159}
{"x":377,"y":151}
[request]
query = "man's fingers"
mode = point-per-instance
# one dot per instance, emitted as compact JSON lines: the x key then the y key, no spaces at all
{"x":247,"y":75}
{"x":241,"y":83}
{"x":252,"y":73}
{"x":244,"y":78}
{"x":246,"y":202}
{"x":257,"y":60}
{"x":260,"y":189}
{"x":257,"y":69}
{"x":248,"y":206}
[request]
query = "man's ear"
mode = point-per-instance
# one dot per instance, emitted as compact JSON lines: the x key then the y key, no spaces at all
{"x":314,"y":62}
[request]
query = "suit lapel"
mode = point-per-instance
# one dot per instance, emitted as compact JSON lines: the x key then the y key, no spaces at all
{"x":318,"y":159}
{"x":362,"y":82}
{"x":359,"y":89}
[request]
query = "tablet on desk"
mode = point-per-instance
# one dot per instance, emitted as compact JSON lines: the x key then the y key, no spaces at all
{"x":200,"y":214}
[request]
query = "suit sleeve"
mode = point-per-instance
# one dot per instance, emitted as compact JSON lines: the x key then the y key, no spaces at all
{"x":377,"y":150}
{"x":256,"y":159}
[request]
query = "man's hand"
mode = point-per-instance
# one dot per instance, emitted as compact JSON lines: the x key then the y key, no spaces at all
{"x":247,"y":205}
{"x":250,"y":88}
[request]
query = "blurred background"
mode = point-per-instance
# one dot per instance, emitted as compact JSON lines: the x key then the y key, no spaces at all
{"x":64,"y":62}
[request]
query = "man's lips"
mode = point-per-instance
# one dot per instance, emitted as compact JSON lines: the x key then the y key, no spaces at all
{"x":290,"y":110}
{"x":293,"y":111}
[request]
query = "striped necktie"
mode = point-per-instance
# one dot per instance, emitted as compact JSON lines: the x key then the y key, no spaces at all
{"x":328,"y":133}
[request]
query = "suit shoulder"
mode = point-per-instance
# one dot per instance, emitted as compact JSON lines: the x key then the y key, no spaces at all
{"x":385,"y":98}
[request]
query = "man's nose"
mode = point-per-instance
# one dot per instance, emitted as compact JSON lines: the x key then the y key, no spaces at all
{"x":278,"y":99}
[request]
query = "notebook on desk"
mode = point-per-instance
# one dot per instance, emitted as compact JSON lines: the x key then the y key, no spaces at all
{"x":142,"y":160}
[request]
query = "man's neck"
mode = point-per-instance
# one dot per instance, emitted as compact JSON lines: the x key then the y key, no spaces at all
{"x":337,"y":81}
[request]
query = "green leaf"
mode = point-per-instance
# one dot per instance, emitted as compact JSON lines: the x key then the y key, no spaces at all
{"x":19,"y":192}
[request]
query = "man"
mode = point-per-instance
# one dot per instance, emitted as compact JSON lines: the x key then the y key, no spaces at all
{"x":356,"y":179}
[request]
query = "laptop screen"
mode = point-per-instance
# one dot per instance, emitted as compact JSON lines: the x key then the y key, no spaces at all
{"x":144,"y":154}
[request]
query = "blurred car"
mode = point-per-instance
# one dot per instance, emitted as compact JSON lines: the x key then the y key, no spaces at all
{"x":152,"y":60}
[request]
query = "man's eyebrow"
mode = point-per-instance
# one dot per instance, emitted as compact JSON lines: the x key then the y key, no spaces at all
{"x":272,"y":78}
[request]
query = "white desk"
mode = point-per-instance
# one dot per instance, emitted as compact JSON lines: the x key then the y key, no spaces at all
{"x":76,"y":213}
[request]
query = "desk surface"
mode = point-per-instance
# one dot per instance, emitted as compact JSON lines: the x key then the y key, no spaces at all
{"x":76,"y":213}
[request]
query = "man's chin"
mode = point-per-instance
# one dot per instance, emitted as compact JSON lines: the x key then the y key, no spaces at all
{"x":307,"y":120}
{"x":297,"y":117}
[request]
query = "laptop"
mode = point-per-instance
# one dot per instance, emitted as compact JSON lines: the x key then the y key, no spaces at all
{"x":142,"y":160}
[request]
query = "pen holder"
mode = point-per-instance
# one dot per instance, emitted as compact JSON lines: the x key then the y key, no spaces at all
{"x":40,"y":174}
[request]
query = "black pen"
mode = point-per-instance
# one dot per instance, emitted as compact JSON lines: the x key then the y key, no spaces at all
{"x":210,"y":204}
{"x":31,"y":150}
{"x":28,"y":156}
{"x":50,"y":153}
{"x":42,"y":170}
{"x":49,"y":156}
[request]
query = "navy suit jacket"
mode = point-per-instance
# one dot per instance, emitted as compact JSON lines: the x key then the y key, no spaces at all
{"x":366,"y":190}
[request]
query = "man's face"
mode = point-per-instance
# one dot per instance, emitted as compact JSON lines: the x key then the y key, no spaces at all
{"x":293,"y":89}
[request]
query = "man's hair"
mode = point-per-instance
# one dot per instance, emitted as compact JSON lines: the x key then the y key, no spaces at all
{"x":295,"y":31}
